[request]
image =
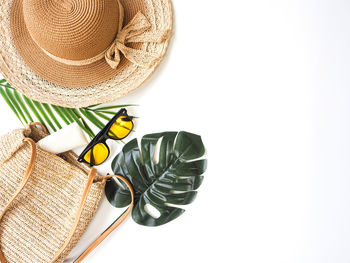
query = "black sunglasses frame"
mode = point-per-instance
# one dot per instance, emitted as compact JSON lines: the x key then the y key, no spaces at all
{"x":103,"y":136}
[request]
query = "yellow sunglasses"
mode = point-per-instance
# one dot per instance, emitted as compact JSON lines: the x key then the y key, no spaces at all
{"x":117,"y":128}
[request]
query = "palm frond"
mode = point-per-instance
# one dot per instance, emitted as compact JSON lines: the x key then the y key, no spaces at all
{"x":55,"y":117}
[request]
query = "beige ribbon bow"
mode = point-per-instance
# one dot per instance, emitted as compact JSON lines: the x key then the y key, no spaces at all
{"x":134,"y":31}
{"x":131,"y":33}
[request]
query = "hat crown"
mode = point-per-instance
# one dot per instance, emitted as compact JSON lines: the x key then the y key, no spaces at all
{"x":72,"y":29}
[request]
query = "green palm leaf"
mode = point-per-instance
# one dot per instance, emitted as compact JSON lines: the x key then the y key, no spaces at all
{"x":112,"y":107}
{"x":40,"y":107}
{"x":34,"y":110}
{"x":10,"y":95}
{"x":53,"y":116}
{"x":61,"y":114}
{"x":7,"y":99}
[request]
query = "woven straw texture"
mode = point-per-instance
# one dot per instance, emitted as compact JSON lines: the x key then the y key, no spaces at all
{"x":25,"y":80}
{"x":40,"y":219}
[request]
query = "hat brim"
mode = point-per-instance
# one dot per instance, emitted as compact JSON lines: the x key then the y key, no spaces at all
{"x":41,"y":78}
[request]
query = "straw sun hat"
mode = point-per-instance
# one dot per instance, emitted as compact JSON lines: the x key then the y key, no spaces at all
{"x":76,"y":53}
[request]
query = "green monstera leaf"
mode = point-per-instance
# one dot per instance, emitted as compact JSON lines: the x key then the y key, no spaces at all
{"x":165,"y":172}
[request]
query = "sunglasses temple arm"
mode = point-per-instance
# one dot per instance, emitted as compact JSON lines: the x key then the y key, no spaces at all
{"x":92,"y":159}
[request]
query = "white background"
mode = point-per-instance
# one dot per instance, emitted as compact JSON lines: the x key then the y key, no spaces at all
{"x":266,"y":83}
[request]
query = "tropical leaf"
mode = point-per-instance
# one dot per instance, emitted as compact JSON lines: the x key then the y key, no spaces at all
{"x":40,"y":107}
{"x":6,"y":98}
{"x":165,"y":172}
{"x":91,"y":117}
{"x":61,"y":114}
{"x":27,"y":110}
{"x":52,"y":116}
{"x":101,"y":115}
{"x":113,"y":107}
{"x":21,"y":103}
{"x":35,"y":111}
{"x":14,"y":102}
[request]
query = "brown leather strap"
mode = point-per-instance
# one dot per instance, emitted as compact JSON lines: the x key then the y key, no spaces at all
{"x":112,"y":227}
{"x":27,"y":175}
{"x":41,"y":125}
{"x":90,"y":181}
{"x":91,"y":177}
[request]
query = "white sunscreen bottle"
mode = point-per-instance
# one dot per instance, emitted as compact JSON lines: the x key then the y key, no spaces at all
{"x":66,"y":139}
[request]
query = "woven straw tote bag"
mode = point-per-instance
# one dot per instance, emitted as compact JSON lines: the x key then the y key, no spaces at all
{"x":46,"y":201}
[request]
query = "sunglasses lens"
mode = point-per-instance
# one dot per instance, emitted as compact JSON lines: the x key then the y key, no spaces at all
{"x":121,"y":128}
{"x":97,"y":155}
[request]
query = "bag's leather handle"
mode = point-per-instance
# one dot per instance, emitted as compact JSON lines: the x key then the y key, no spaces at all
{"x":109,"y":230}
{"x":41,"y":125}
{"x":91,"y":177}
{"x":114,"y":225}
{"x":27,"y":175}
{"x":90,"y":181}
